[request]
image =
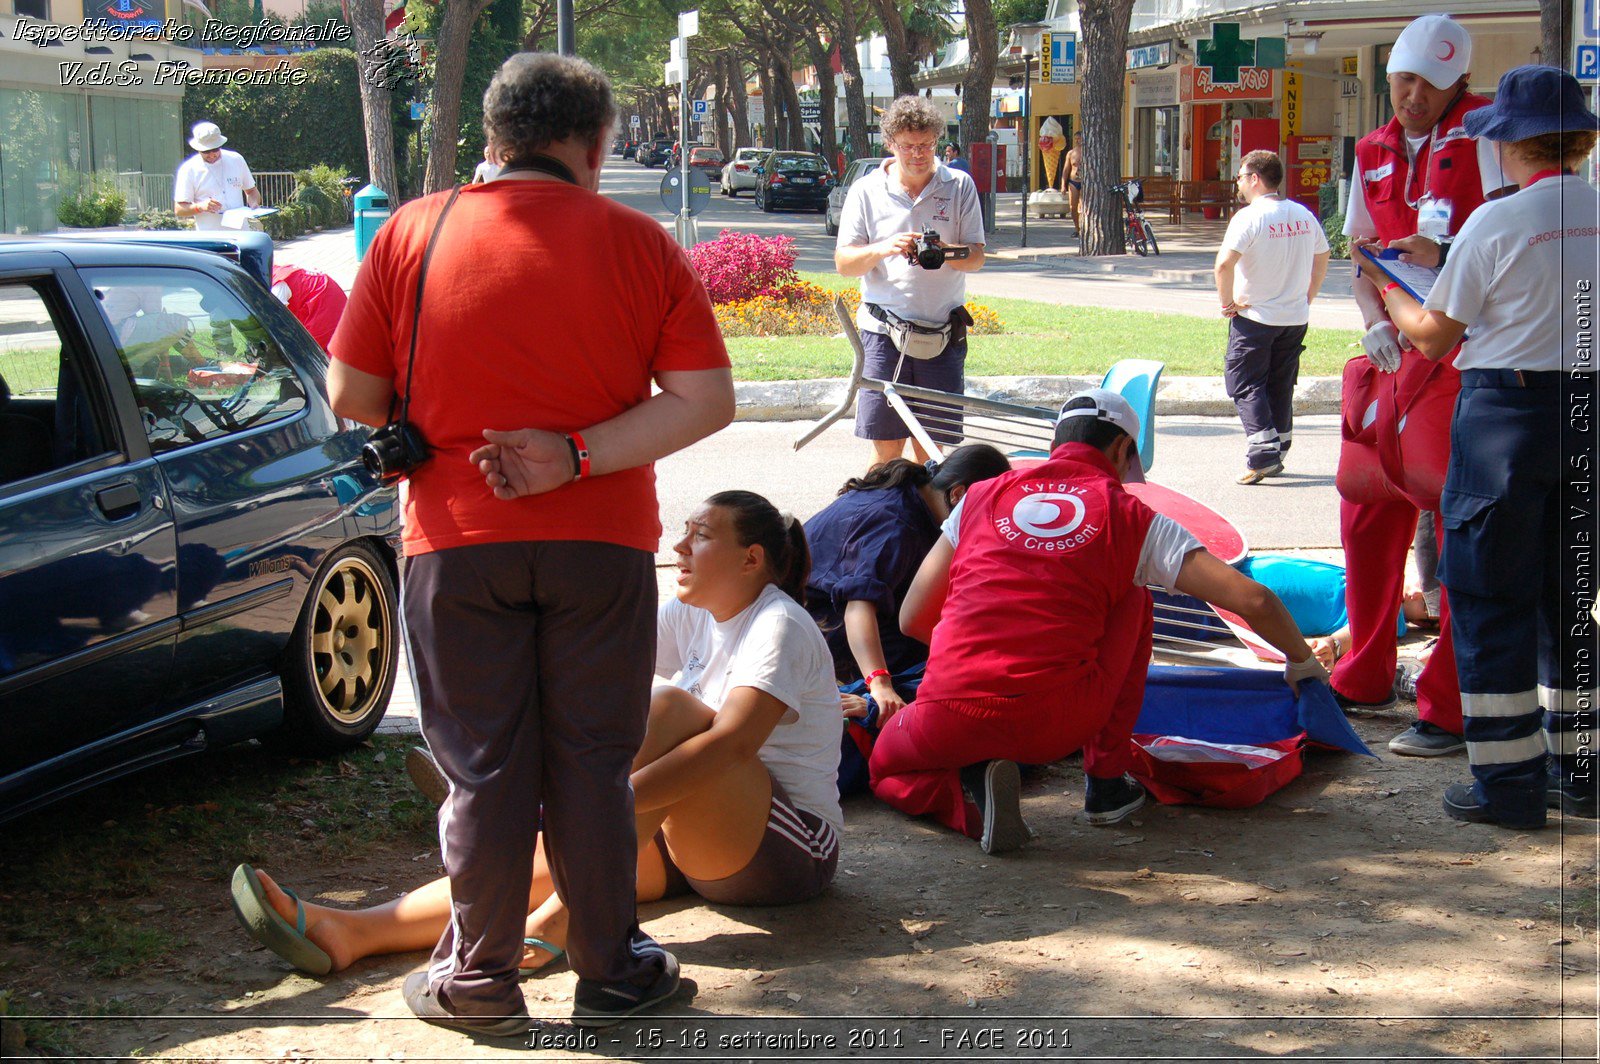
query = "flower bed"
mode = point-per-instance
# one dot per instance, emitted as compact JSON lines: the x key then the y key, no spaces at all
{"x":755,"y":290}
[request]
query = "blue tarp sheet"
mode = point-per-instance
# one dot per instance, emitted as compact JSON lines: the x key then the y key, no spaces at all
{"x":1230,"y":705}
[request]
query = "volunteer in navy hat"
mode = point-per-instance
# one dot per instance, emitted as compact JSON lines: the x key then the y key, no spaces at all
{"x":1521,"y":277}
{"x":1420,"y":173}
{"x":1034,"y":603}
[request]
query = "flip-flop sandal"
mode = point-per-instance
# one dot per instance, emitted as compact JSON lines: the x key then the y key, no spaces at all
{"x":262,"y":923}
{"x":557,"y":954}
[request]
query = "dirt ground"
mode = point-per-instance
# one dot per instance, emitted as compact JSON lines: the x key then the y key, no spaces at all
{"x":1345,"y":917}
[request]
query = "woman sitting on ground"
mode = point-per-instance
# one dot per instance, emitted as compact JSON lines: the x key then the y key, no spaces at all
{"x":734,"y":788}
{"x":866,"y":547}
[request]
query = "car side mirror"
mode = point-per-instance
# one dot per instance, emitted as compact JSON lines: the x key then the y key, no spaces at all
{"x":758,"y":171}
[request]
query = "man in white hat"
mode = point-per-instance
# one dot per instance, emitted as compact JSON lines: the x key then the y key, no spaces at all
{"x":1044,"y":624}
{"x":1421,"y":173}
{"x":213,"y":181}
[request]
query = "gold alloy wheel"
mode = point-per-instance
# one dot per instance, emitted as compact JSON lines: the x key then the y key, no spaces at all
{"x":350,"y":633}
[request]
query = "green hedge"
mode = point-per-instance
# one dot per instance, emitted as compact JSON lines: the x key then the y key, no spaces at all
{"x":291,"y":127}
{"x":90,"y":201}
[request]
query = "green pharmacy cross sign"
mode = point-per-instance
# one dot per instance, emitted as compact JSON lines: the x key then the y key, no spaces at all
{"x":1225,"y":53}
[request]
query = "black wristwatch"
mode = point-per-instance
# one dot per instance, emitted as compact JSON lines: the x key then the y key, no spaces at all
{"x":1444,"y":243}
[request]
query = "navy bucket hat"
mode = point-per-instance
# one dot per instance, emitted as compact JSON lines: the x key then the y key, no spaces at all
{"x":1533,"y":101}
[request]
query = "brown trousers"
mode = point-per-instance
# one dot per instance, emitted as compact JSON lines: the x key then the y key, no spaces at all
{"x":533,"y":665}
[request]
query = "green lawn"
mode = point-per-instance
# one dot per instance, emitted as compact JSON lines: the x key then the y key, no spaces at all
{"x":1045,"y":339}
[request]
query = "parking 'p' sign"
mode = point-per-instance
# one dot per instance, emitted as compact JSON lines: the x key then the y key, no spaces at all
{"x":701,"y":107}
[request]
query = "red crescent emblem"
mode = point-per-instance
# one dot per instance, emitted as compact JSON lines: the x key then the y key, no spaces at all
{"x":1449,"y":53}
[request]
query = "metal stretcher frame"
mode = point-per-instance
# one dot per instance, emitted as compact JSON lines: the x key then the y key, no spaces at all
{"x":1184,"y":634}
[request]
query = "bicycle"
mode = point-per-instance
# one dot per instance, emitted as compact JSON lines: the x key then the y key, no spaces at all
{"x":1140,"y":237}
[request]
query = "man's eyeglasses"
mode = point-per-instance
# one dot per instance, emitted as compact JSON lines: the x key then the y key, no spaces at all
{"x":915,"y":149}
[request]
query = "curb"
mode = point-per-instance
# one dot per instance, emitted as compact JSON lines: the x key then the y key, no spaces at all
{"x":1195,"y":396}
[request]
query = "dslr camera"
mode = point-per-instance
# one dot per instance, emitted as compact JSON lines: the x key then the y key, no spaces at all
{"x":930,"y":251}
{"x":394,"y":450}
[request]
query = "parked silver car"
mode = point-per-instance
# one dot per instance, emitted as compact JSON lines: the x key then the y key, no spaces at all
{"x":830,"y":217}
{"x":740,"y":171}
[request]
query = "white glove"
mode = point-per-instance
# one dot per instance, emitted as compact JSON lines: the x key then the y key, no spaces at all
{"x":1309,"y":669}
{"x":1382,"y":344}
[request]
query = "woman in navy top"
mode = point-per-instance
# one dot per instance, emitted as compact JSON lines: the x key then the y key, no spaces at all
{"x":866,"y":546}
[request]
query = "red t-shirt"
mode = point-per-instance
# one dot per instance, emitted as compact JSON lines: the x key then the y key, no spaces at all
{"x":546,"y":306}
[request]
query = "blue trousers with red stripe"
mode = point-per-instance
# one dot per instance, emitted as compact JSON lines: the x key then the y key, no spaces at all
{"x":1514,"y":566}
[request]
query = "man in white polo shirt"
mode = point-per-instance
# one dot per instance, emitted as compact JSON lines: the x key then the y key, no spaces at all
{"x":884,"y":214}
{"x":213,"y":181}
{"x":1269,"y":268}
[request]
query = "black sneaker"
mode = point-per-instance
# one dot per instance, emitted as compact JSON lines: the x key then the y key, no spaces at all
{"x":1112,"y":801}
{"x":1350,"y":705}
{"x":1575,"y":802}
{"x":597,"y":1004}
{"x":996,"y":789}
{"x":429,"y":1009}
{"x":1464,"y":801}
{"x":1426,"y":740}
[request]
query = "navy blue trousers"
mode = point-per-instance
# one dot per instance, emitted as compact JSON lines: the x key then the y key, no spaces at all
{"x":1260,"y":370}
{"x":1521,"y":584}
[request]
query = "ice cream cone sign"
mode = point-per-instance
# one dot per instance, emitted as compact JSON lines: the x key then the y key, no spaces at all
{"x":1052,"y":142}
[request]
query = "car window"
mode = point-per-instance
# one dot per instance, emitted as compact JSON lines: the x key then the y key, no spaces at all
{"x":705,"y":155}
{"x":745,"y":155}
{"x":803,"y":163}
{"x":47,"y":419}
{"x":202,"y":365}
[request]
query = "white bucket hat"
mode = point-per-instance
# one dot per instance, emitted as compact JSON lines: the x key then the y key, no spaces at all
{"x":205,"y":136}
{"x":1436,"y":48}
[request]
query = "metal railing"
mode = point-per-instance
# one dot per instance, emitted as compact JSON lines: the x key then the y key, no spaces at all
{"x":146,"y":190}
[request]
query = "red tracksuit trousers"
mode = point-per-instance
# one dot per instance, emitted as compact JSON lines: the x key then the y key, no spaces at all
{"x":1392,"y":461}
{"x":916,"y":763}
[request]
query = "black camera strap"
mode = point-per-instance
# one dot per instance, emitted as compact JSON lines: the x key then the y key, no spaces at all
{"x":416,"y":315}
{"x":542,"y":164}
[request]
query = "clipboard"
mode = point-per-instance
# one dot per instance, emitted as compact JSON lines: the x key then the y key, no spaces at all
{"x":1417,"y":281}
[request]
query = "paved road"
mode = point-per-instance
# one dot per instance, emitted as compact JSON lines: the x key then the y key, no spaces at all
{"x":1178,"y":281}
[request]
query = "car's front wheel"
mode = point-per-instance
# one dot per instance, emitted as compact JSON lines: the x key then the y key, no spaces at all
{"x":339,"y":669}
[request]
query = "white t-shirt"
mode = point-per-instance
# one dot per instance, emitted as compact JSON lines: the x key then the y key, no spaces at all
{"x":1358,"y":221}
{"x":224,"y":181}
{"x":1166,"y":545}
{"x":485,"y":172}
{"x":774,"y":646}
{"x":1276,"y":239}
{"x":878,"y":208}
{"x":1516,"y":275}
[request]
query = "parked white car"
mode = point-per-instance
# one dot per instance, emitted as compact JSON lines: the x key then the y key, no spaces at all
{"x":830,"y":218}
{"x":740,"y":171}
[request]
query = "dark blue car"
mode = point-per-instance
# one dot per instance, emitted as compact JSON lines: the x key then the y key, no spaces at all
{"x":191,"y":552}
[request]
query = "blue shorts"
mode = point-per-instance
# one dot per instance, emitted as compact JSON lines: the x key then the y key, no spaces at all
{"x":876,"y":420}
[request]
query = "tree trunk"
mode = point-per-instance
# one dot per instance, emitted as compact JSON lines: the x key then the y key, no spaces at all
{"x":977,"y":85}
{"x":769,"y":106}
{"x":719,"y":105}
{"x":827,"y":97}
{"x":901,"y":66}
{"x":855,"y":99}
{"x":1555,"y":33}
{"x":366,"y":23}
{"x":791,"y":104}
{"x":1104,"y":24}
{"x":449,"y":66}
{"x":741,"y":103}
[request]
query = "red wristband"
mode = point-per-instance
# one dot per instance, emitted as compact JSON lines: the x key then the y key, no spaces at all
{"x":1390,"y":287}
{"x":581,"y":449}
{"x":875,"y":673}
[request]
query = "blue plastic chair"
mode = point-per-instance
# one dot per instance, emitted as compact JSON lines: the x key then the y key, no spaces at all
{"x":1135,"y":379}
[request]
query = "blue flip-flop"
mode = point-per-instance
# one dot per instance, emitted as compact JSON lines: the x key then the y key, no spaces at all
{"x":262,"y":923}
{"x":556,"y":954}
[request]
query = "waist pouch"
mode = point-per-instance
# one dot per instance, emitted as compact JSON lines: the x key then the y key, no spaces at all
{"x":921,"y":339}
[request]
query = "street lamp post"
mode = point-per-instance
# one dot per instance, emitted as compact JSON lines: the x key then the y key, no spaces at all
{"x":1023,"y":141}
{"x":566,"y":38}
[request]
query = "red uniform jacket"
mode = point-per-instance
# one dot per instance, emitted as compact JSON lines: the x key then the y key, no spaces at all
{"x":1445,"y":169}
{"x":1043,"y":555}
{"x":315,"y":298}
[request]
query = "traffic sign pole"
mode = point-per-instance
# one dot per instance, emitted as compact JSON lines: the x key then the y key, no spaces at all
{"x":688,"y":26}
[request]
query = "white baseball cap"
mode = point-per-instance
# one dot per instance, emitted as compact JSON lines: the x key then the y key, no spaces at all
{"x":205,"y":136}
{"x":1434,"y":47}
{"x":1113,"y":409}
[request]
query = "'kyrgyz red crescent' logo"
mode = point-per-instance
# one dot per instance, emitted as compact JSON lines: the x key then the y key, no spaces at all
{"x":1449,"y":52}
{"x":1048,"y":516}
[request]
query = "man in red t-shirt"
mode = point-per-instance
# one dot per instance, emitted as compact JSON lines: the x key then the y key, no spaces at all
{"x":530,"y":531}
{"x":1043,"y":632}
